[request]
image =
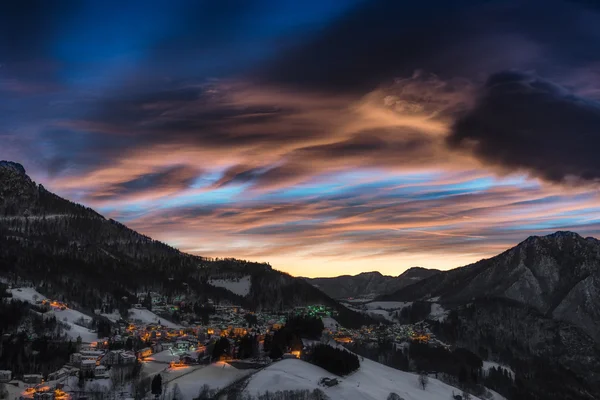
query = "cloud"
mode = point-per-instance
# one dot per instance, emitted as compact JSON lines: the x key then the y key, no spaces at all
{"x":380,"y":40}
{"x":167,"y":181}
{"x":524,"y":122}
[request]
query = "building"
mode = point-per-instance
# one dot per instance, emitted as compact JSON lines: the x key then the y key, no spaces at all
{"x":88,"y":365}
{"x":91,"y":354}
{"x":100,"y":372}
{"x":127,"y":357}
{"x":5,"y":376}
{"x":60,"y":374}
{"x":145,"y":352}
{"x":43,"y":395}
{"x":33,"y":378}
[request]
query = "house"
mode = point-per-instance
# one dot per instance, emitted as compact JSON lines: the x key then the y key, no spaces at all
{"x":88,"y":365}
{"x":60,"y":374}
{"x":100,"y":372}
{"x":145,"y":352}
{"x":43,"y":395}
{"x":111,"y":357}
{"x":127,"y":357}
{"x":5,"y":376}
{"x":328,"y":382}
{"x":33,"y":378}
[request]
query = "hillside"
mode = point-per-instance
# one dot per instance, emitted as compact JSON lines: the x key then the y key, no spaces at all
{"x":369,"y":284}
{"x":557,"y":275}
{"x":71,"y":252}
{"x":373,"y":381}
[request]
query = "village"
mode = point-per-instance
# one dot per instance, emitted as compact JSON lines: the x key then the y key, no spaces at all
{"x":150,"y":342}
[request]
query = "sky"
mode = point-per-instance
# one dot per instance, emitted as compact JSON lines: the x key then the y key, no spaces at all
{"x":325,"y":137}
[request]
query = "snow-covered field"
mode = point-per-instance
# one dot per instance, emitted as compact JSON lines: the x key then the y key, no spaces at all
{"x":113,"y":317}
{"x":387,"y":305}
{"x":216,"y":376}
{"x":385,"y":309}
{"x":148,"y":317}
{"x":372,"y":381}
{"x":164,"y":356}
{"x":240,"y":286}
{"x":330,"y":324}
{"x":68,"y":316}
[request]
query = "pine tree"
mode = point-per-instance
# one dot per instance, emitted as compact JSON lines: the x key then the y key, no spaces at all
{"x":156,"y":387}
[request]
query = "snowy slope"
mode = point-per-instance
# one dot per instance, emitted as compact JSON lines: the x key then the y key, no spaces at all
{"x":148,"y":317}
{"x":216,"y":376}
{"x":372,"y":381}
{"x":386,"y":309}
{"x":113,"y":317}
{"x":239,"y":286}
{"x":68,"y":316}
{"x":330,"y":323}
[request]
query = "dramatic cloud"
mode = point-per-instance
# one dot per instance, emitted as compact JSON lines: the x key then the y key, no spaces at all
{"x":525,"y":122}
{"x":346,"y":135}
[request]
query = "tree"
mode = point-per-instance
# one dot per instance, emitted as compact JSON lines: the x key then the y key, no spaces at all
{"x":466,"y":395}
{"x":141,"y":386}
{"x":176,"y":394}
{"x":205,"y":393}
{"x":3,"y":391}
{"x":423,"y":380}
{"x":394,"y":396}
{"x":156,"y":386}
{"x":222,"y":347}
{"x":81,"y":379}
{"x":276,"y":352}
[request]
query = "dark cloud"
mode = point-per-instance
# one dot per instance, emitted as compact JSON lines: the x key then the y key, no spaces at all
{"x":383,"y":39}
{"x":525,"y":122}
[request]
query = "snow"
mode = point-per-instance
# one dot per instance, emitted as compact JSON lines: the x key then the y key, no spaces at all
{"x":239,"y":286}
{"x":216,"y":376}
{"x":438,"y":313}
{"x":148,"y":317}
{"x":381,"y":313}
{"x":387,"y":305}
{"x":28,"y":294}
{"x":113,"y":317}
{"x":68,"y":316}
{"x":164,"y":356}
{"x":489,"y":364}
{"x":373,"y":381}
{"x":330,"y":323}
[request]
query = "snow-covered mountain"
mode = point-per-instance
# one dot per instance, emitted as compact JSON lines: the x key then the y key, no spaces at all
{"x":369,"y":284}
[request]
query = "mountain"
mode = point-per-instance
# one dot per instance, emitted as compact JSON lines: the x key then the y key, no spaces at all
{"x":535,"y":307}
{"x":70,"y":251}
{"x":369,"y":284}
{"x":557,"y":275}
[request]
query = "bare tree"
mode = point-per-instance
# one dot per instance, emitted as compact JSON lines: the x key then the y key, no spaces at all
{"x":176,"y":393}
{"x":423,"y":380}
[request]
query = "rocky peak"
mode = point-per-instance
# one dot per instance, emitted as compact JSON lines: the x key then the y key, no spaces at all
{"x":13,"y":166}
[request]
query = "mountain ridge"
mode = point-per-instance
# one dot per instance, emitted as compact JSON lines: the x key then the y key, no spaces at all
{"x":369,"y":284}
{"x":76,"y":253}
{"x":557,"y":274}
